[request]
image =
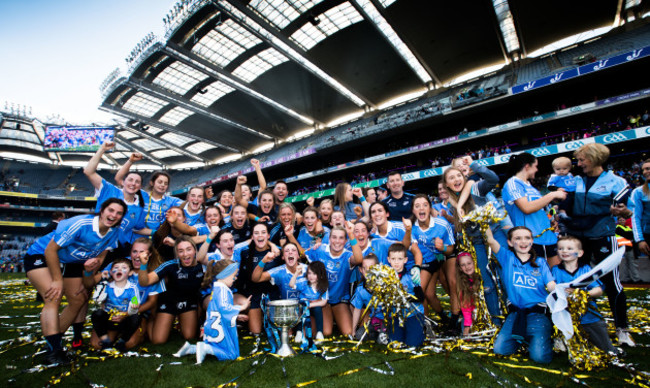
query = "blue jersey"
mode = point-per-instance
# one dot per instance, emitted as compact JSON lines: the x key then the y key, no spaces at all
{"x":143,"y":291}
{"x":538,"y":221}
{"x":439,"y":207}
{"x":590,"y":210}
{"x":409,"y":287}
{"x":524,"y":284}
{"x":118,"y":299}
{"x":78,"y":238}
{"x":566,"y":182}
{"x":134,"y":217}
{"x":379,"y":246}
{"x":220,"y":328}
{"x":239,"y":235}
{"x":394,"y":231}
{"x":156,"y":209}
{"x":641,"y":217}
{"x":399,"y":208}
{"x":348,"y":210}
{"x":426,"y":238}
{"x":193,"y":219}
{"x":281,"y":277}
{"x":360,"y":300}
{"x":309,"y":293}
{"x":338,"y":272}
{"x":561,"y":275}
{"x":306,"y":241}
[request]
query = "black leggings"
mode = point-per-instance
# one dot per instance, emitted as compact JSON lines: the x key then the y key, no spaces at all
{"x":600,"y":248}
{"x":102,"y":324}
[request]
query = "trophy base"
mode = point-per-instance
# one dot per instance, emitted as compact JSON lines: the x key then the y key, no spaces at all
{"x":285,"y":351}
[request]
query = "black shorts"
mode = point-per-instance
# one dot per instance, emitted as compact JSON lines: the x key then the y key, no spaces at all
{"x":545,"y":251}
{"x":68,"y":270}
{"x":169,"y":304}
{"x":432,"y":266}
{"x":34,"y":262}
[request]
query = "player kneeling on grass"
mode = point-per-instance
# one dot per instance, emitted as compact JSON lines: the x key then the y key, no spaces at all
{"x":119,"y":311}
{"x":412,"y":331}
{"x":570,"y":250}
{"x":220,"y":328}
{"x":526,"y":278}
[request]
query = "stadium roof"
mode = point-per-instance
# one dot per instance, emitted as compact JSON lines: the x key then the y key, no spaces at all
{"x":231,"y":77}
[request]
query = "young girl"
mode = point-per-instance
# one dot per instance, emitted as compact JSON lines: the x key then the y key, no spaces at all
{"x":343,"y":200}
{"x":468,"y":283}
{"x":314,"y":290}
{"x":183,"y":281}
{"x":526,"y":279}
{"x":220,"y":328}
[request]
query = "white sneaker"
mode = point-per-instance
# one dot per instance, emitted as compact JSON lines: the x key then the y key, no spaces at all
{"x":298,"y":338}
{"x":558,"y":345}
{"x":201,"y":351}
{"x":319,"y":336}
{"x":624,"y":338}
{"x":183,"y":350}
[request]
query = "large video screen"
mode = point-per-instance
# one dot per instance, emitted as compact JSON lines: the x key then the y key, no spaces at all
{"x":76,"y":139}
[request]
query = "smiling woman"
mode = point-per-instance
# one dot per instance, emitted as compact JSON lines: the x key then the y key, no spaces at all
{"x":55,"y":263}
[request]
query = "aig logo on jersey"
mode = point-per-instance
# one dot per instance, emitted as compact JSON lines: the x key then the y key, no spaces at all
{"x":524,"y":280}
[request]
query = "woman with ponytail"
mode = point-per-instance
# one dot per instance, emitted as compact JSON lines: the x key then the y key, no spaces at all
{"x":525,"y":205}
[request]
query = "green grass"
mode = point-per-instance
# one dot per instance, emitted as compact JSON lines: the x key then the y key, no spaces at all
{"x":19,"y":320}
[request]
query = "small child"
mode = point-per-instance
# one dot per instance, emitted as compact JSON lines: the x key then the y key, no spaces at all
{"x":467,"y":283}
{"x":526,"y":279}
{"x":569,"y":250}
{"x":220,"y":328}
{"x":119,"y":311}
{"x":412,"y":333}
{"x":360,"y":300}
{"x":562,"y":177}
{"x":314,"y":290}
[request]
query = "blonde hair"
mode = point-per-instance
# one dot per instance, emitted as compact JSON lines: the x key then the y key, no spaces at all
{"x":595,"y":152}
{"x":562,"y":161}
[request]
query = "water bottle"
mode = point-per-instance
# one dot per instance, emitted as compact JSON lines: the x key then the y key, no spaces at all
{"x":133,"y":306}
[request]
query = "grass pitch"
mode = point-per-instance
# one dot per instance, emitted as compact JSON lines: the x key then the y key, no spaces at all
{"x":340,"y":364}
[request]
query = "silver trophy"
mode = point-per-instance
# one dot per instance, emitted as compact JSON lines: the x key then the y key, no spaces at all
{"x":284,"y":314}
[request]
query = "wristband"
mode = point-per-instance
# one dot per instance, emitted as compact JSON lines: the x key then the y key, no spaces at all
{"x":257,"y":219}
{"x":362,"y":199}
{"x":353,"y":242}
{"x":88,"y":273}
{"x":261,"y":264}
{"x":208,"y":240}
{"x":153,"y":231}
{"x":143,"y":267}
{"x":444,"y":247}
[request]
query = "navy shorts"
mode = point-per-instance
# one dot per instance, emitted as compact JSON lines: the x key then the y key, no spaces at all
{"x":173,"y":305}
{"x":68,"y":270}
